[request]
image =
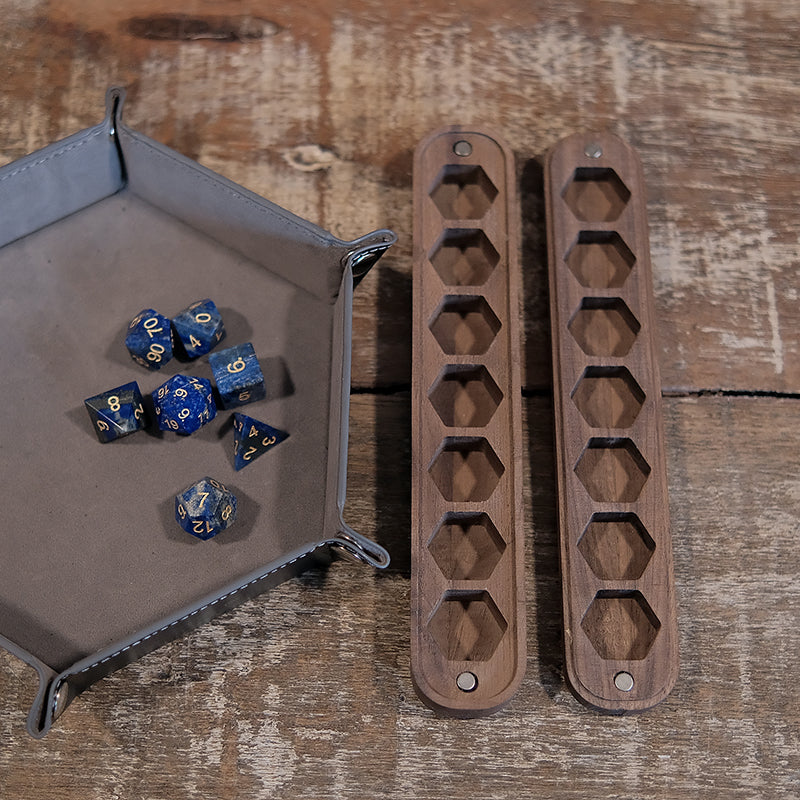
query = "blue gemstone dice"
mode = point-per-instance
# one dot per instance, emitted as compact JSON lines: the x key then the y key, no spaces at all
{"x":149,"y":339}
{"x":184,"y":404}
{"x":205,"y":508}
{"x":252,"y":439}
{"x":238,"y":375}
{"x":199,"y":328}
{"x":117,"y":412}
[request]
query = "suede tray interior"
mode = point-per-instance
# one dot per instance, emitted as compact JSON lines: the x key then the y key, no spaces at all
{"x":90,"y":551}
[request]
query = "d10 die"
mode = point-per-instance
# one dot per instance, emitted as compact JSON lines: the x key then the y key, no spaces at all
{"x":199,"y":328}
{"x":205,"y":508}
{"x":184,"y":404}
{"x":238,"y":375}
{"x":149,"y":339}
{"x":117,"y":412}
{"x":252,"y":439}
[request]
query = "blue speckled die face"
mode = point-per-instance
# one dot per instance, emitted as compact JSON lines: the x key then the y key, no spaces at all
{"x":117,"y":412}
{"x":252,"y":439}
{"x":149,"y":339}
{"x":199,"y":328}
{"x":184,"y":404}
{"x":238,"y":375}
{"x":205,"y":508}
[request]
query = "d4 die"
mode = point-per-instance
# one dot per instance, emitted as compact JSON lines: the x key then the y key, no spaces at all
{"x":252,"y":439}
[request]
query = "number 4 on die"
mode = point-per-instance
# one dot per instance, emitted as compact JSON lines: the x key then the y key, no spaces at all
{"x":252,"y":439}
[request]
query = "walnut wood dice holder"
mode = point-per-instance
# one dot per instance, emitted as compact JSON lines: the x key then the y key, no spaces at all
{"x":467,"y":603}
{"x":619,"y":603}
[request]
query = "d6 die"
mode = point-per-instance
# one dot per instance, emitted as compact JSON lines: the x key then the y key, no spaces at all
{"x":199,"y":327}
{"x":252,"y":438}
{"x":117,"y":412}
{"x":149,"y":339}
{"x":184,"y":404}
{"x":238,"y":375}
{"x":205,"y":508}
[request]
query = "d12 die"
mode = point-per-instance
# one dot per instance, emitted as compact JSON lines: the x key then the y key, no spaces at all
{"x":117,"y":412}
{"x":184,"y":404}
{"x":238,"y":375}
{"x":205,"y":508}
{"x":252,"y":439}
{"x":199,"y":328}
{"x":149,"y":339}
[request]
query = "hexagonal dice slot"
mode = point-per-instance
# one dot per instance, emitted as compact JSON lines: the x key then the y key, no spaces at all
{"x":463,"y":191}
{"x":612,"y":470}
{"x":616,"y":546}
{"x":608,"y":397}
{"x":464,"y":257}
{"x":466,"y":469}
{"x":600,"y":259}
{"x":466,"y":546}
{"x":467,"y":626}
{"x":596,"y":194}
{"x":621,"y":625}
{"x":604,"y":326}
{"x":464,"y":325}
{"x":465,"y":395}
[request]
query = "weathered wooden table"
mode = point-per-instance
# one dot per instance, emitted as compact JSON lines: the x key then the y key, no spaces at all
{"x":305,"y":692}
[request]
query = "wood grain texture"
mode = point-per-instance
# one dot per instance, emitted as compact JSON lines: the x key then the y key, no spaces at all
{"x":306,"y":691}
{"x":323,"y":111}
{"x":467,"y":531}
{"x":616,"y":553}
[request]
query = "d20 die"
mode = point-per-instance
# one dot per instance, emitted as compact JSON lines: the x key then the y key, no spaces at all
{"x":149,"y":339}
{"x":238,"y":375}
{"x":184,"y":404}
{"x":252,"y":439}
{"x":199,"y":327}
{"x":117,"y":412}
{"x":205,"y":508}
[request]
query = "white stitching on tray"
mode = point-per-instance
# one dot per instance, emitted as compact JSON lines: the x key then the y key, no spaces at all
{"x":187,"y":616}
{"x":219,"y":185}
{"x":58,"y":153}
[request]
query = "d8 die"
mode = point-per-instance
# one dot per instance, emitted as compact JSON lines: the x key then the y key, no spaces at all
{"x":252,"y":439}
{"x":184,"y":404}
{"x":199,"y":328}
{"x":149,"y":339}
{"x":238,"y":375}
{"x":117,"y":412}
{"x":205,"y":508}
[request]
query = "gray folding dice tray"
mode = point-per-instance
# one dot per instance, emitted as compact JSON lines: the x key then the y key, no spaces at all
{"x":94,"y":570}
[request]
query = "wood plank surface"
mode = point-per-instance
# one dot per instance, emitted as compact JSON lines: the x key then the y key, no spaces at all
{"x":319,"y":108}
{"x":306,"y":692}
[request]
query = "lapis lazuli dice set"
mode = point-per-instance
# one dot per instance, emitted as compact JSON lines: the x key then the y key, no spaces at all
{"x":184,"y":403}
{"x":205,"y":508}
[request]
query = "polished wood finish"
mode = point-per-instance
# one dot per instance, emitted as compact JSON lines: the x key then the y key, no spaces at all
{"x":467,"y":533}
{"x":306,"y":691}
{"x":620,"y":626}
